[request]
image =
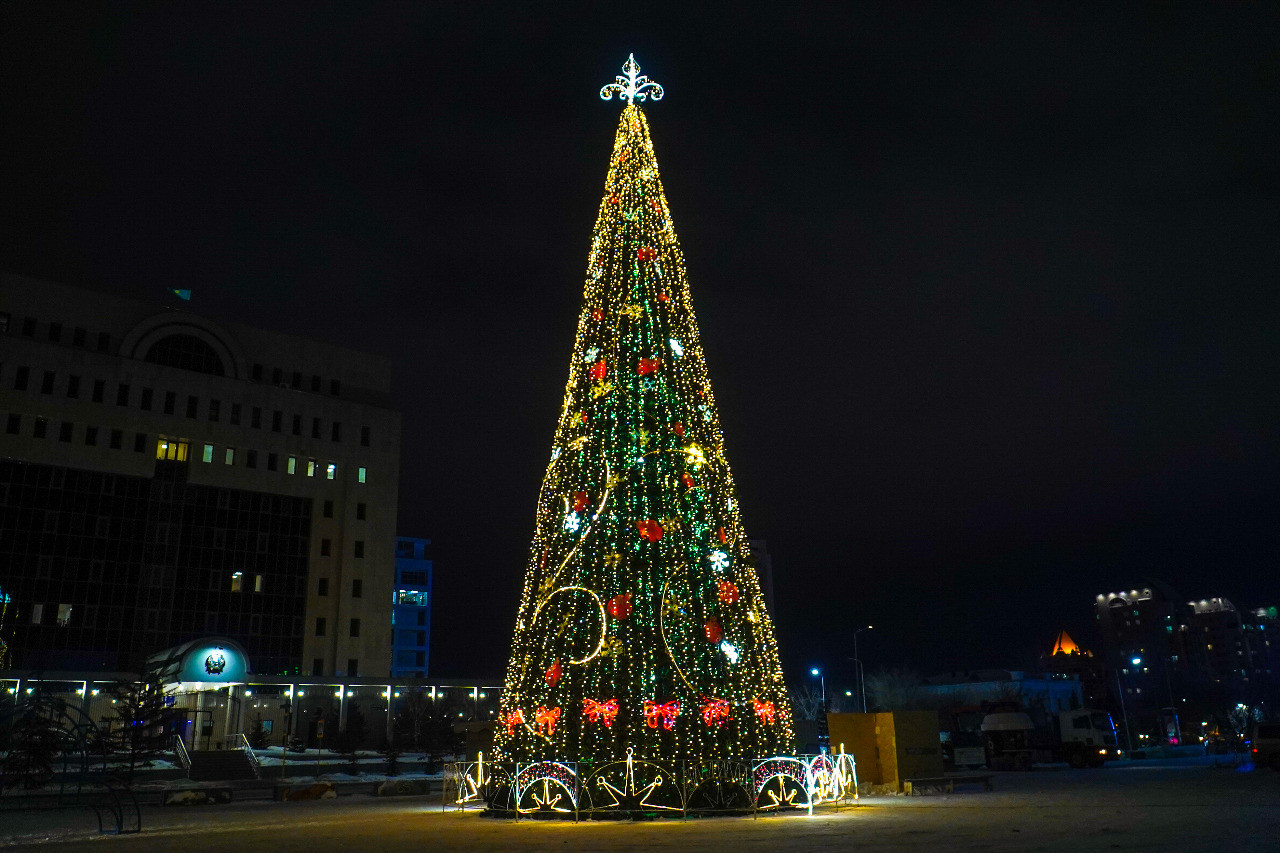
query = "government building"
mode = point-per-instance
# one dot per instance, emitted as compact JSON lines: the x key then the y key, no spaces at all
{"x":165,"y":477}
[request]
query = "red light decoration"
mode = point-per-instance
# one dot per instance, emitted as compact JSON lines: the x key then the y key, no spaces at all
{"x":727,"y":591}
{"x":665,"y":713}
{"x":650,"y":529}
{"x":647,"y":253}
{"x":715,"y":712}
{"x":554,"y":672}
{"x":579,"y":501}
{"x":619,"y":606}
{"x":714,"y":632}
{"x":513,"y":719}
{"x":688,"y":481}
{"x":764,"y":710}
{"x":598,"y":370}
{"x":546,"y":718}
{"x":600,"y":712}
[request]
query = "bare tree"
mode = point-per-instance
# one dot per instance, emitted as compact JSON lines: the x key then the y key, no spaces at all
{"x":893,"y":690}
{"x":806,"y":702}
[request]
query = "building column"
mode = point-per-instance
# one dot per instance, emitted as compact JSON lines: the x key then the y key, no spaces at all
{"x":391,"y":695}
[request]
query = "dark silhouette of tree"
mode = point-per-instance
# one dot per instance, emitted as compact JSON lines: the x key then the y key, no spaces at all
{"x":142,"y":723}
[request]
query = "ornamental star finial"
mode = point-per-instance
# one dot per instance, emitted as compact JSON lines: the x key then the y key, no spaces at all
{"x":632,"y":87}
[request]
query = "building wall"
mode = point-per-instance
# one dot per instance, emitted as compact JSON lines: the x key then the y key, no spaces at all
{"x":75,"y":364}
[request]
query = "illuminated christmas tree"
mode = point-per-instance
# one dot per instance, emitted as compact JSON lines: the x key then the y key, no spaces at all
{"x":641,"y":625}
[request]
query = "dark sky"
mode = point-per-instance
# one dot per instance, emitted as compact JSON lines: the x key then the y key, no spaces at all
{"x":989,"y":296}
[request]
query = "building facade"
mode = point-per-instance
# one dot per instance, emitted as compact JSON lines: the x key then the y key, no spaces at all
{"x":411,"y":609}
{"x":164,"y":476}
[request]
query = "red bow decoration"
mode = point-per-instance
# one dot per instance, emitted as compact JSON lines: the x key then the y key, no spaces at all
{"x":648,"y":365}
{"x":666,"y":713}
{"x":597,"y":315}
{"x":553,"y":673}
{"x":598,"y":370}
{"x":662,"y":297}
{"x":714,"y":633}
{"x":546,"y":717}
{"x":600,"y":712}
{"x":619,"y":606}
{"x":513,"y":719}
{"x":715,"y":712}
{"x":647,"y":253}
{"x":728,"y":591}
{"x":613,"y":199}
{"x":650,"y":529}
{"x":764,"y":710}
{"x":579,"y":501}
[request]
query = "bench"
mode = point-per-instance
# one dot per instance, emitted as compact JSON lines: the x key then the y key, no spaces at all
{"x":945,"y":783}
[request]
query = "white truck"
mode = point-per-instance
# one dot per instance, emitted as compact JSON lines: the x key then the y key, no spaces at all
{"x":1083,"y":738}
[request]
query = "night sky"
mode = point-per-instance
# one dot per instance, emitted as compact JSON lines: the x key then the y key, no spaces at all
{"x":988,"y":296}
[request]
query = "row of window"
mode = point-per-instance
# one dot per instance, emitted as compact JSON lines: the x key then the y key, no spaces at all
{"x":353,"y":629}
{"x":80,"y":338}
{"x":214,"y":410}
{"x":357,"y":587}
{"x":317,"y":667}
{"x":177,"y":451}
{"x":113,"y":438}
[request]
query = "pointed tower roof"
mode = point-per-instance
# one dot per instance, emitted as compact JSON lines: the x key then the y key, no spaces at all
{"x":1064,"y":645}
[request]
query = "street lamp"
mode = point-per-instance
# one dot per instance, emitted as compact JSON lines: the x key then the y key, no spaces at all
{"x":817,"y":673}
{"x":862,"y":687}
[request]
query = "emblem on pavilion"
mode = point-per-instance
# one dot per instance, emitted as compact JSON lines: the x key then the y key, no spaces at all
{"x":215,"y":663}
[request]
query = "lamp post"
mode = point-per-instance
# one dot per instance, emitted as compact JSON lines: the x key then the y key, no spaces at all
{"x":817,"y":673}
{"x":862,"y":688}
{"x":1124,"y":713}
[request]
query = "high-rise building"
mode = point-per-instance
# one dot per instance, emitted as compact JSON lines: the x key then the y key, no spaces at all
{"x":411,"y":609}
{"x":164,"y":476}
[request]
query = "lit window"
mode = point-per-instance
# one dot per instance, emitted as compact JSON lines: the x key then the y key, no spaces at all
{"x":293,"y":465}
{"x":37,"y":614}
{"x":363,"y":474}
{"x":208,"y":453}
{"x":311,"y":467}
{"x":171,"y":451}
{"x":237,"y":579}
{"x":64,"y":615}
{"x":330,"y":470}
{"x":229,"y":458}
{"x":257,"y":583}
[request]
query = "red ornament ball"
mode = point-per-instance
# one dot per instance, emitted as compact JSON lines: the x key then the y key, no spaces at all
{"x":678,"y":429}
{"x":714,"y":633}
{"x":727,"y":591}
{"x":619,"y":607}
{"x":597,"y":315}
{"x":598,"y":370}
{"x":648,"y":365}
{"x":650,"y":529}
{"x":647,"y":253}
{"x":579,"y":501}
{"x":553,"y":673}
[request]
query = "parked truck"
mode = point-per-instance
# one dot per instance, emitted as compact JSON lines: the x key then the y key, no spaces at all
{"x":1082,"y":738}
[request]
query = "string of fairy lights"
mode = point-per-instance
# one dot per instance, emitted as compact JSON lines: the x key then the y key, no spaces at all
{"x":641,"y":626}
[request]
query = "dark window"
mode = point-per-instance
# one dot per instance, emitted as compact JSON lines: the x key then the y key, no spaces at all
{"x":193,"y":404}
{"x":276,"y":418}
{"x":328,"y":509}
{"x":46,"y":384}
{"x":315,"y":427}
{"x":320,"y":626}
{"x":139,"y":442}
{"x":359,"y":549}
{"x":251,"y":459}
{"x":255,"y":418}
{"x":335,"y":432}
{"x":104,"y":341}
{"x":257,"y":373}
{"x":364,"y":436}
{"x":20,"y":378}
{"x":169,"y":399}
{"x":272,"y":461}
{"x":322,"y":586}
{"x":14,"y":425}
{"x":99,"y":389}
{"x":91,"y":436}
{"x":4,"y":321}
{"x":122,"y":395}
{"x":324,"y":547}
{"x":353,"y":664}
{"x":145,"y":402}
{"x":55,"y":332}
{"x":355,"y":628}
{"x":77,"y":337}
{"x":334,"y":386}
{"x":317,"y":666}
{"x":64,"y":431}
{"x":360,"y":512}
{"x":296,"y":382}
{"x":215,"y":409}
{"x":29,"y":326}
{"x":73,"y":387}
{"x":315,"y":384}
{"x":116,"y":437}
{"x":276,"y":375}
{"x":297,"y":424}
{"x":235,"y":414}
{"x":186,"y":352}
{"x":40,"y":427}
{"x":357,"y":587}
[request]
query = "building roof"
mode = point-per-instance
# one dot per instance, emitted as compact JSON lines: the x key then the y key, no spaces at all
{"x":1064,"y":645}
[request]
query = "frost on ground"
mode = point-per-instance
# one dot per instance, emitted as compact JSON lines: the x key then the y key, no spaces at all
{"x":1194,"y":808}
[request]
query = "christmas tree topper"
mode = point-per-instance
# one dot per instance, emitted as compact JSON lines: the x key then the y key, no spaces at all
{"x":632,"y":87}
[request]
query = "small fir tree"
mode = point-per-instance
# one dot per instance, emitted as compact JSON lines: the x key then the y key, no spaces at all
{"x":142,"y":724}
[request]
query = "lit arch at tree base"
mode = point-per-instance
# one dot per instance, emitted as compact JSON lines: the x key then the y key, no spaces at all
{"x":571,"y":790}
